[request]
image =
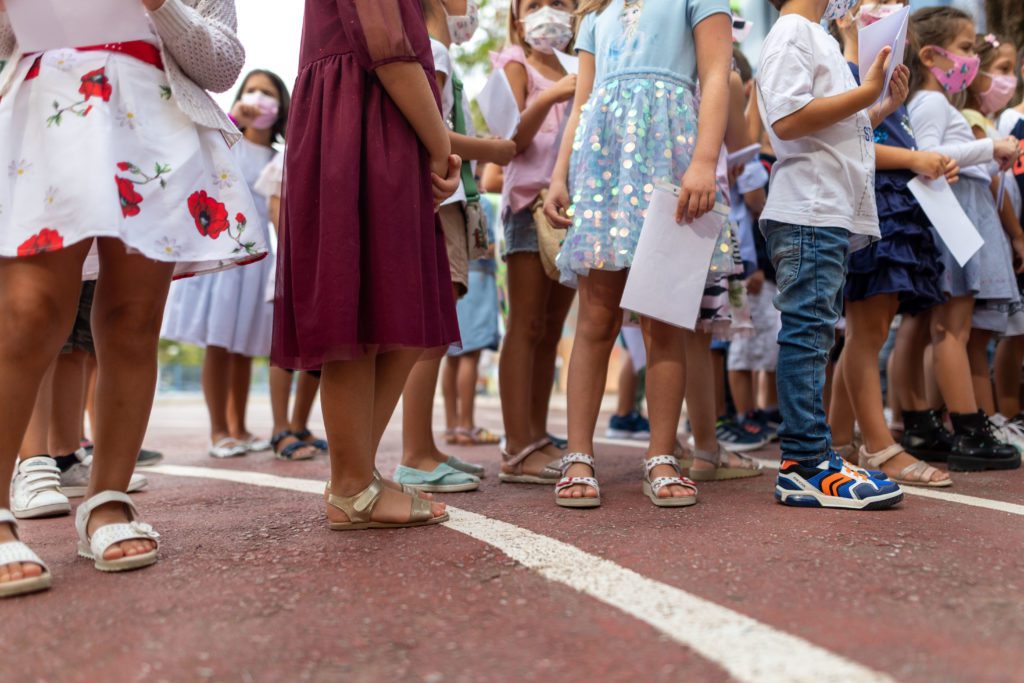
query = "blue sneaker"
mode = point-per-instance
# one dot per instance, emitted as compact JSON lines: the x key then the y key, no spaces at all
{"x":740,"y":438}
{"x":633,"y":426}
{"x":834,"y":483}
{"x":765,"y":421}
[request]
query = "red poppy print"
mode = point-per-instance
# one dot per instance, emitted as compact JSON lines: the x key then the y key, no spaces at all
{"x":45,"y":240}
{"x":130,"y":199}
{"x":96,"y":84}
{"x":211,"y":216}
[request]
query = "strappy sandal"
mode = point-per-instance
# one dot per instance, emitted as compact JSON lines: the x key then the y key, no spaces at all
{"x":748,"y":467}
{"x":652,"y":488}
{"x":919,"y":473}
{"x":291,"y":451}
{"x":568,"y":482}
{"x":359,"y":509}
{"x":306,"y":436}
{"x":477,"y":436}
{"x":16,"y":552}
{"x":408,"y":490}
{"x":92,"y":548}
{"x":512,"y":466}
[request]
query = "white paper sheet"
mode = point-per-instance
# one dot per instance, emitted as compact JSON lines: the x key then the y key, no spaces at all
{"x":571,"y":63}
{"x":670,"y":266}
{"x":742,"y":157}
{"x":634,"y":338}
{"x":888,"y":32}
{"x":498,"y":105}
{"x":41,"y":25}
{"x":944,"y":211}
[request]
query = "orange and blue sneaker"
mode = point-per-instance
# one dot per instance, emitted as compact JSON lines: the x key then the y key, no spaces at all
{"x":834,"y":483}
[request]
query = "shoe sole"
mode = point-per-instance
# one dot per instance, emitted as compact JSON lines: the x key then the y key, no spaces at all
{"x":79,"y":491}
{"x":444,"y":488}
{"x":811,"y":499}
{"x":526,"y":479}
{"x":362,"y":526}
{"x":125,"y":564}
{"x":965,"y":464}
{"x":54,"y":510}
{"x":35,"y":584}
{"x":578,"y":503}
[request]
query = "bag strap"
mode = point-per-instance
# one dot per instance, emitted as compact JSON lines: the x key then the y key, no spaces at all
{"x":459,"y":123}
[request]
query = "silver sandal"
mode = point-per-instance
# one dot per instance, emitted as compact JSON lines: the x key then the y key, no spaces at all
{"x":652,"y":488}
{"x":568,"y":482}
{"x":918,"y":473}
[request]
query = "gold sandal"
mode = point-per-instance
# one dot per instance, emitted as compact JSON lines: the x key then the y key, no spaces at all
{"x":359,"y":509}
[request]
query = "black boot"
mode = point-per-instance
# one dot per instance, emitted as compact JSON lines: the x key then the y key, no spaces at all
{"x":925,"y":437}
{"x":976,"y":446}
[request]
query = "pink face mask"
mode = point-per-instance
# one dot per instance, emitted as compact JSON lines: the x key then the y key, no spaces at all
{"x":956,"y":79}
{"x":999,"y":93}
{"x":870,"y":13}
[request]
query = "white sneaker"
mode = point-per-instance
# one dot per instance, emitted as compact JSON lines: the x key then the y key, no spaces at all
{"x":35,"y":490}
{"x":75,"y":481}
{"x":1008,"y":432}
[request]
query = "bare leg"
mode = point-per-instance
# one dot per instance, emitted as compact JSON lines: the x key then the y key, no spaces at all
{"x":306,"y":386}
{"x":1009,"y":359}
{"x":449,"y":380}
{"x":215,"y":391}
{"x":67,"y":406}
{"x":90,"y":394}
{"x":741,"y":383}
{"x":767,"y":391}
{"x":907,"y":379}
{"x":700,"y":400}
{"x":559,"y":302}
{"x":600,"y":319}
{"x":950,"y":330}
{"x":840,"y":414}
{"x":36,"y":441}
{"x":981,"y":377}
{"x":627,"y":387}
{"x":466,"y":389}
{"x":280,"y":393}
{"x":419,"y":450}
{"x":718,"y":382}
{"x":239,"y":383}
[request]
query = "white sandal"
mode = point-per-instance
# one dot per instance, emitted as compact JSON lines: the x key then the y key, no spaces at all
{"x":13,"y":552}
{"x":652,"y":488}
{"x":228,"y":448}
{"x":918,"y":473}
{"x":106,"y":536}
{"x":567,"y":482}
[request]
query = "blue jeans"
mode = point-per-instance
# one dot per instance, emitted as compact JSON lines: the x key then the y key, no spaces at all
{"x":811,"y":269}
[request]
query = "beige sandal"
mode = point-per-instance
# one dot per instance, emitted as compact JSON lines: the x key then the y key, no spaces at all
{"x":359,"y":509}
{"x":748,"y":467}
{"x":919,"y":473}
{"x":568,"y":482}
{"x":512,"y":466}
{"x":652,"y":487}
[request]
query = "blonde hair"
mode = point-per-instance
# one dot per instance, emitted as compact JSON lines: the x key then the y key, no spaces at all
{"x":590,"y":6}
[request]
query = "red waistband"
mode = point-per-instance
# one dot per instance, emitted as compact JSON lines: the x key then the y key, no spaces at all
{"x":139,"y":49}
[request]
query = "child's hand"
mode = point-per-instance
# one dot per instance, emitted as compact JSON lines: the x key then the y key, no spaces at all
{"x":1006,"y":152}
{"x":755,"y":283}
{"x":445,"y":179}
{"x":696,"y":193}
{"x":245,"y":114}
{"x":557,"y":204}
{"x":899,"y":89}
{"x":151,"y":5}
{"x":502,"y":151}
{"x":874,"y":80}
{"x":564,"y":89}
{"x":930,"y":164}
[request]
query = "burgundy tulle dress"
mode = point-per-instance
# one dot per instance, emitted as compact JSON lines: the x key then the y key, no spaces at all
{"x":362,"y":265}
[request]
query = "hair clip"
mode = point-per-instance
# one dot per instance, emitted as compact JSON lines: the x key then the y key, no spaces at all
{"x":992,"y":40}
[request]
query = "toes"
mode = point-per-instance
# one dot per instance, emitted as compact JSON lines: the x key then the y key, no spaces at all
{"x":437,"y":509}
{"x":16,"y":573}
{"x":31,"y":570}
{"x":114,"y":552}
{"x":5,"y":574}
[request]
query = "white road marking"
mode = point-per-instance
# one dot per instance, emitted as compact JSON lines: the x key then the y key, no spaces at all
{"x":751,"y":651}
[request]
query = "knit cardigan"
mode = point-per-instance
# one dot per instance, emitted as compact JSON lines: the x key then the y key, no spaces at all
{"x":200,"y":51}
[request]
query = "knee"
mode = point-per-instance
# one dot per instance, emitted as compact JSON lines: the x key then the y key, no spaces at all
{"x":528,"y":329}
{"x":128,"y":328}
{"x":33,"y":322}
{"x":598,"y":328}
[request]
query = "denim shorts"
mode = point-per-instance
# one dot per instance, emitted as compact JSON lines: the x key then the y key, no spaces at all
{"x":80,"y":338}
{"x":520,"y":232}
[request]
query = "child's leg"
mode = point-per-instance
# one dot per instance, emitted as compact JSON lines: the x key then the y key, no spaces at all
{"x":981,"y":376}
{"x":931,"y":382}
{"x":90,"y":394}
{"x":126,"y":316}
{"x":1009,"y":359}
{"x":239,"y":383}
{"x":449,"y":390}
{"x":951,"y":330}
{"x":37,"y":434}
{"x":68,"y":403}
{"x":600,"y":319}
{"x":419,"y":451}
{"x":892,"y":396}
{"x":908,"y":381}
{"x":700,"y":402}
{"x":280,"y":395}
{"x":840,"y":409}
{"x":718,"y":381}
{"x":306,"y":386}
{"x":627,"y":387}
{"x":215,"y":391}
{"x":867,"y":329}
{"x":741,"y":384}
{"x":560,"y":300}
{"x":768,"y":390}
{"x":466,"y":389}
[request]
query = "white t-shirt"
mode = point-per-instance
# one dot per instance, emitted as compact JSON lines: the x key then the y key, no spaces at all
{"x":939,"y":127}
{"x":443,"y":64}
{"x":827,"y":178}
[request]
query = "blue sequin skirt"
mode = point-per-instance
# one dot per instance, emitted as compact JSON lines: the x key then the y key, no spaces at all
{"x":635,"y":131}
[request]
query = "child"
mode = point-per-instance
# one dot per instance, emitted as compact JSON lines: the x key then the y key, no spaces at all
{"x":227,"y":313}
{"x":365,"y":116}
{"x":980,"y":293}
{"x":123,"y":188}
{"x":423,"y":465}
{"x":898,"y":274}
{"x":537,"y":304}
{"x":821,"y":200}
{"x":634,"y":123}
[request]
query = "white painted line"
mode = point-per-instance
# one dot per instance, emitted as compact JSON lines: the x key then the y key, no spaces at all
{"x":751,"y":651}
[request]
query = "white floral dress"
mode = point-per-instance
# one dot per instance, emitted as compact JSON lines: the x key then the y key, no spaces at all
{"x":94,"y":146}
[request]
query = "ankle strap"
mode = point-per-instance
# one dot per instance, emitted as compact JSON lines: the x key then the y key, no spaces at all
{"x":671,"y":460}
{"x":359,"y":506}
{"x":514,"y":459}
{"x":581,"y":458}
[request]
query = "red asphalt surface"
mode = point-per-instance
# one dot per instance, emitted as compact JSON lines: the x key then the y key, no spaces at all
{"x":252,"y":586}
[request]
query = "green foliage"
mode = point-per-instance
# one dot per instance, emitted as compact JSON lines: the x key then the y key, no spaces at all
{"x":473,"y":60}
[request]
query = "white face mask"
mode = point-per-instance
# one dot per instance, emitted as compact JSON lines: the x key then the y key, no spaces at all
{"x":462,"y":27}
{"x":837,"y":9}
{"x":547,"y":30}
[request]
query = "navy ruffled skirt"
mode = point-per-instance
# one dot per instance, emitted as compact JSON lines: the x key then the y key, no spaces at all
{"x":906,"y":261}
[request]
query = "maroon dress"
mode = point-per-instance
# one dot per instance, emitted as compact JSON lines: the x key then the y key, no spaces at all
{"x":362,"y":266}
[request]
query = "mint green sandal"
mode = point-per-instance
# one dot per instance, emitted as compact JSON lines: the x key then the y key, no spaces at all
{"x":444,"y":479}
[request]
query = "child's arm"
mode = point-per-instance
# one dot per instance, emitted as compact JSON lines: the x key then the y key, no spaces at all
{"x":736,"y":132}
{"x":477,"y":149}
{"x":558,"y":201}
{"x":929,"y":164}
{"x":755,"y":200}
{"x":713,"y":41}
{"x":822,"y":112}
{"x":493,"y":178}
{"x":1011,"y":224}
{"x":203,"y":41}
{"x":930,"y":116}
{"x":532,"y":117}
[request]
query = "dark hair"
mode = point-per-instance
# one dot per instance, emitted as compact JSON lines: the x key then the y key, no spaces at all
{"x":742,"y":65}
{"x":278,"y":130}
{"x":987,"y":47}
{"x":777,"y":4}
{"x":931,"y":26}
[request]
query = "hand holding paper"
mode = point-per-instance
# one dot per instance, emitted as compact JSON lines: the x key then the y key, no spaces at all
{"x":890,"y":32}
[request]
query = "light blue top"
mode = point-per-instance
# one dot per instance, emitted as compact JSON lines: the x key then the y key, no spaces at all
{"x":646,"y":37}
